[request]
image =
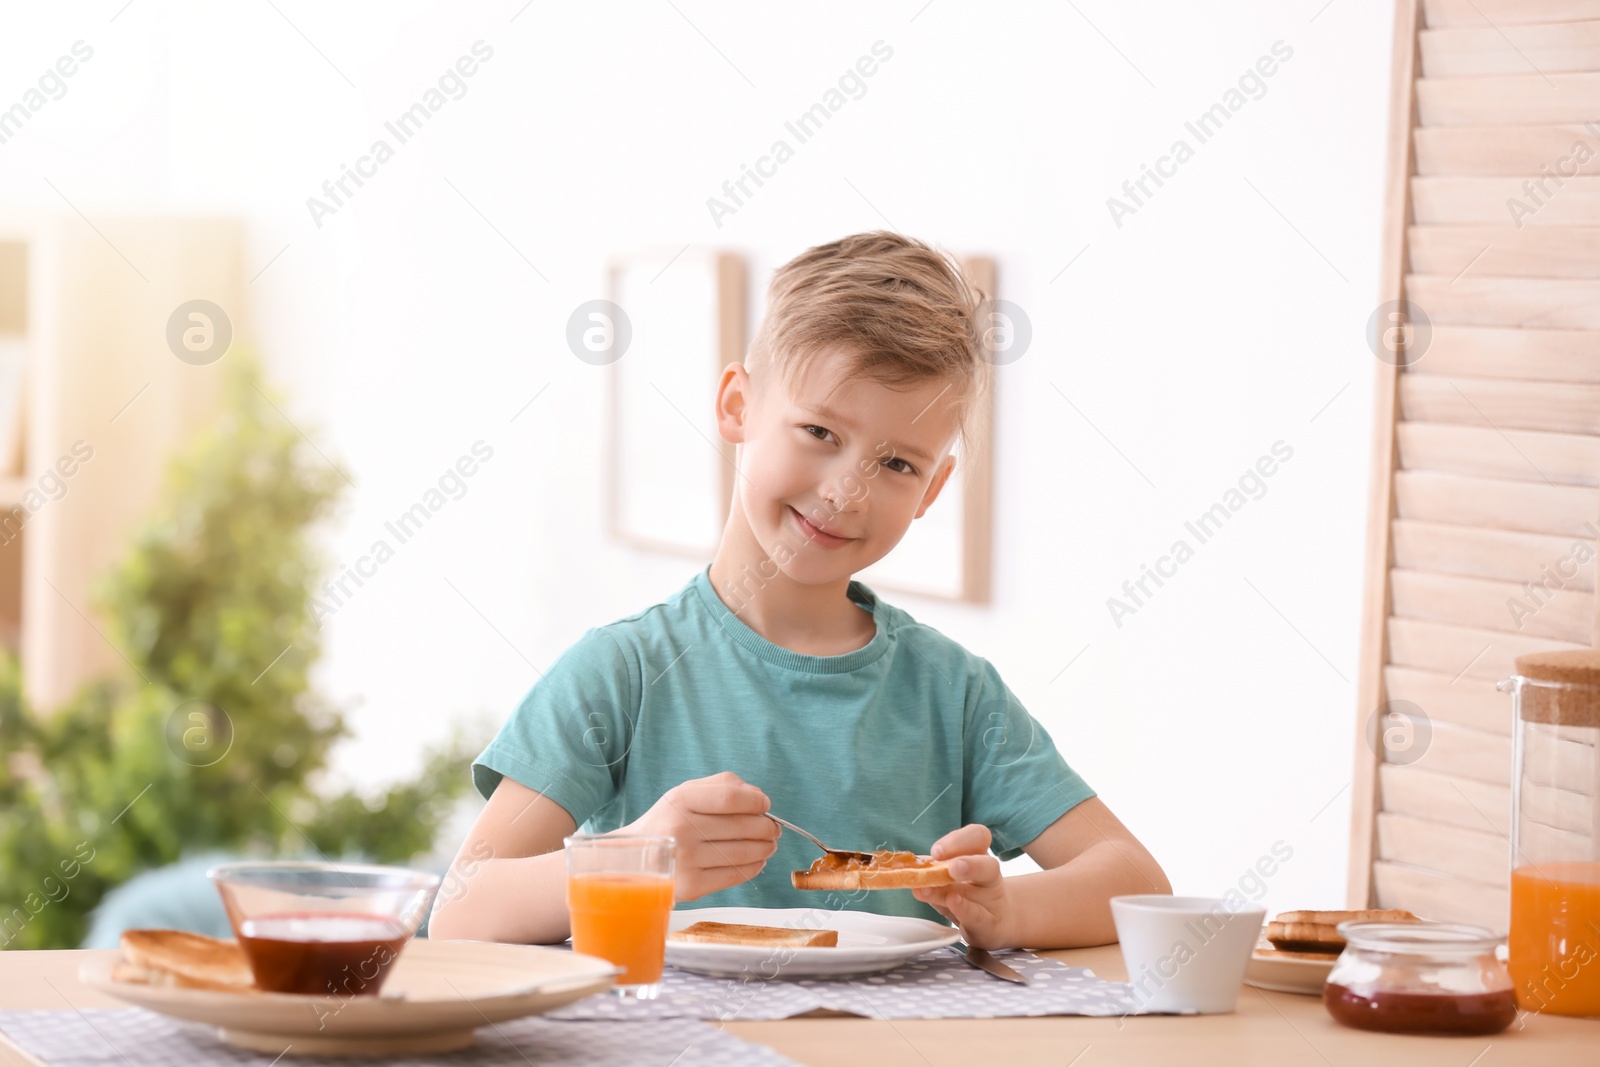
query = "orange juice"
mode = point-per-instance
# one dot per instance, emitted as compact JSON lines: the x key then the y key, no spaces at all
{"x":622,"y":918}
{"x":1555,"y":937}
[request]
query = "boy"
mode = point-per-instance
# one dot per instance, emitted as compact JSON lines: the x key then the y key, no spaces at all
{"x":774,"y":681}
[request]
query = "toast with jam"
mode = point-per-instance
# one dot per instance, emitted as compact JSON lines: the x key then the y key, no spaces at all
{"x":1316,"y":933}
{"x":883,"y":870}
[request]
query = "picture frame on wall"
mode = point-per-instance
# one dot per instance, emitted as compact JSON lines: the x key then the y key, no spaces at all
{"x":669,"y":475}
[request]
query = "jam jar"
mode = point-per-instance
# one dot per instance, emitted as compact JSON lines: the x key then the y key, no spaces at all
{"x":1420,"y":978}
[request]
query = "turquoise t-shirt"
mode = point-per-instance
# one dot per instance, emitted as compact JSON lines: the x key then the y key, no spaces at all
{"x":891,"y":745}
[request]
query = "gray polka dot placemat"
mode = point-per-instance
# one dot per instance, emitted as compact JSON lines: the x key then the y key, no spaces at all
{"x":133,"y":1037}
{"x":937,"y":986}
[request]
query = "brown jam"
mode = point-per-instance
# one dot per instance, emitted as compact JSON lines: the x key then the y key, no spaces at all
{"x":336,"y":954}
{"x":880,"y":861}
{"x":1421,"y":1013}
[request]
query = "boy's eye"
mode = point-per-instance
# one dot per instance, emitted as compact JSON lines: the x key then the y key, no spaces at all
{"x":894,"y":463}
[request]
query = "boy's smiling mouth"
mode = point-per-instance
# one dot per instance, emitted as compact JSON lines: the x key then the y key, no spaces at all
{"x":816,"y":534}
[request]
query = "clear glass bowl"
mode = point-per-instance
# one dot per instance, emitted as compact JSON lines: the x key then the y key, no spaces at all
{"x":1420,"y":978}
{"x":323,"y":929}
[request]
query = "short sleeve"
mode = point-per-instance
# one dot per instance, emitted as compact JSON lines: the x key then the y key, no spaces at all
{"x":569,"y":738}
{"x":1017,"y":784}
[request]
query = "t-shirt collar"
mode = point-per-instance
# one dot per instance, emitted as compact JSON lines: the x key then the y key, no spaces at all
{"x":753,"y":642}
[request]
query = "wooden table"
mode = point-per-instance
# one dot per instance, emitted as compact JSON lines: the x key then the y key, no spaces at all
{"x":1269,"y":1029}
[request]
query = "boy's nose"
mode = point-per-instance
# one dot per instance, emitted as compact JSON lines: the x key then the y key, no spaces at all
{"x":836,"y":499}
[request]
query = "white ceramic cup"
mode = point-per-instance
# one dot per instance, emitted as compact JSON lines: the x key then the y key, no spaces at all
{"x":1186,"y":954}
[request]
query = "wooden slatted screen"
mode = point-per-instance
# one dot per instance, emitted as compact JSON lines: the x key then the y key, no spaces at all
{"x":1487,"y":446}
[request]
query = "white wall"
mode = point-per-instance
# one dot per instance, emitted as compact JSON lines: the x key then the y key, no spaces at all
{"x":1225,"y":315}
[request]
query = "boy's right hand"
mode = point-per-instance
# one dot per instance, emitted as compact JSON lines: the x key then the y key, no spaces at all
{"x":723,"y":835}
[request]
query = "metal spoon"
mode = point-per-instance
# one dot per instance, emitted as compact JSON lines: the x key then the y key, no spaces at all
{"x":865,"y":857}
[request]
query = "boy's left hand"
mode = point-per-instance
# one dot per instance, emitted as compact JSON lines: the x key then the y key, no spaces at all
{"x":976,"y":901}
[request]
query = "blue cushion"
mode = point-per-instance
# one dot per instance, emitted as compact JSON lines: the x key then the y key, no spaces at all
{"x":176,"y":897}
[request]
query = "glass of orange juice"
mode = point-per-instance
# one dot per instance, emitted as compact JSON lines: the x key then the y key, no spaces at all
{"x":619,"y":895}
{"x":1555,"y":937}
{"x":1554,"y":943}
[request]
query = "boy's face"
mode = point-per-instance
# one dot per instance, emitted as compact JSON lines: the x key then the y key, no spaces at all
{"x":833,"y":469}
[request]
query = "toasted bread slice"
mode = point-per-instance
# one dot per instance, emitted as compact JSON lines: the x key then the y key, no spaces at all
{"x":715,"y":933}
{"x":1270,"y":952}
{"x":182,"y":959}
{"x":1317,"y":932}
{"x":1334,"y":918}
{"x":1313,"y":941}
{"x":891,"y":870}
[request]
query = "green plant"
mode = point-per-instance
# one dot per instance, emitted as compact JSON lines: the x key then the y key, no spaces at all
{"x":214,"y":740}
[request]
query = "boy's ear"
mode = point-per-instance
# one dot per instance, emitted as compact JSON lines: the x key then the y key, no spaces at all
{"x":939,"y":478}
{"x":733,"y":402}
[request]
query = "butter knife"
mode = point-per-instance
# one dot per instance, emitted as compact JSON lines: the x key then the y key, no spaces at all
{"x":982,"y":960}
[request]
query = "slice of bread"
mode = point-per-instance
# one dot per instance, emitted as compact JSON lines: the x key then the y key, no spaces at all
{"x":927,"y":872}
{"x":1317,"y":932}
{"x":1268,"y":952}
{"x":1334,"y":918}
{"x":182,"y":959}
{"x":715,"y":933}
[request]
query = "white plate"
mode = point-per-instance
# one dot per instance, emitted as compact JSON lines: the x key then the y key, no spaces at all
{"x":438,"y":993}
{"x":1286,"y":974}
{"x":868,"y":943}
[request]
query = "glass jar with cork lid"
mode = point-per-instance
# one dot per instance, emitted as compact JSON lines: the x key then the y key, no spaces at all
{"x":1554,"y":943}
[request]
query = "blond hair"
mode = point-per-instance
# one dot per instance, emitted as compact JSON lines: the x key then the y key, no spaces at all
{"x":902,"y":312}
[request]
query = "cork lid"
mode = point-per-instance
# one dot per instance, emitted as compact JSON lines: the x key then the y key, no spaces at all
{"x":1570,"y":666}
{"x":1565,"y":689}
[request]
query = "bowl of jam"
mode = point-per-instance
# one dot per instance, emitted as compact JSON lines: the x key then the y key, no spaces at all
{"x":1420,"y":978}
{"x":323,"y":929}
